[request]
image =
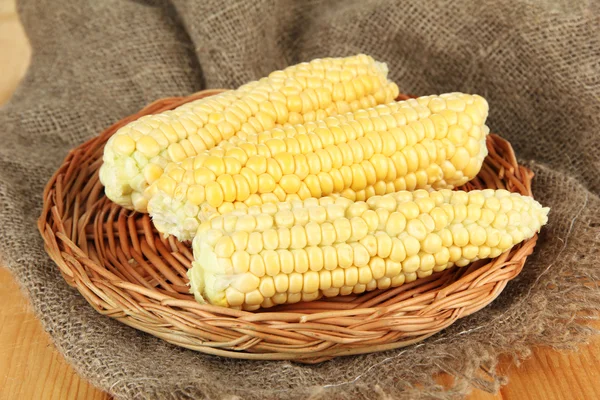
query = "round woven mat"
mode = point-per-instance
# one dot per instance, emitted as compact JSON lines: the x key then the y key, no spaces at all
{"x":127,"y":271}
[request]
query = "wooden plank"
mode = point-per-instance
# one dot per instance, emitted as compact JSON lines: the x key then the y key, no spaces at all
{"x":16,"y":52}
{"x":30,"y":365}
{"x":556,"y":375}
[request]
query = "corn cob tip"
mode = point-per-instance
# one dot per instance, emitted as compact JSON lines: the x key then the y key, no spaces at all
{"x":382,"y":68}
{"x":196,"y":278}
{"x":115,"y":184}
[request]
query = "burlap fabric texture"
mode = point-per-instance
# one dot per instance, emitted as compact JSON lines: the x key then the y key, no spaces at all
{"x":95,"y":62}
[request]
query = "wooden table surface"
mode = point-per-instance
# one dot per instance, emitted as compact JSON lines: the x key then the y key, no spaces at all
{"x":32,"y":368}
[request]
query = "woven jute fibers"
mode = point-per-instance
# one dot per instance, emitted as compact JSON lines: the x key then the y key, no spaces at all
{"x":95,"y":62}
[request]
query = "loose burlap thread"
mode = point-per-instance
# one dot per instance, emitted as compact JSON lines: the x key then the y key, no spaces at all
{"x":94,"y":62}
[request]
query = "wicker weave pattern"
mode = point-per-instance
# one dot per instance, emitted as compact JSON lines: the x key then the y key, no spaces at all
{"x":125,"y":270}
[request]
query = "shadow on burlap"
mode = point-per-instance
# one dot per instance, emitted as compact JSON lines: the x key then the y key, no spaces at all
{"x":95,"y":62}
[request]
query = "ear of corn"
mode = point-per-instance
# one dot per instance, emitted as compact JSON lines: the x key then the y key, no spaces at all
{"x":429,"y":142}
{"x":288,"y":252}
{"x":136,"y":155}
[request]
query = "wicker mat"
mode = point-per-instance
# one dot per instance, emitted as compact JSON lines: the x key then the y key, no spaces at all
{"x":94,"y":62}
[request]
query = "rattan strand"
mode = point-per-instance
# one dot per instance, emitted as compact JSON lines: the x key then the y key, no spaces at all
{"x":127,"y":271}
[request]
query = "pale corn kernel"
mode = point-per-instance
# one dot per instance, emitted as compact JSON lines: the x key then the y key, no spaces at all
{"x":409,"y":209}
{"x":477,"y":235}
{"x":483,"y":252}
{"x":301,"y":216}
{"x":346,"y":290}
{"x":455,"y":253}
{"x":264,"y":222}
{"x":460,"y":235}
{"x":350,"y":276}
{"x":253,"y":298}
{"x":328,"y":234}
{"x":330,"y":258}
{"x":317,"y":214}
{"x":345,"y":255}
{"x":146,"y":145}
{"x":324,"y":279}
{"x":280,"y":298}
{"x":257,"y":265}
{"x":470,"y":251}
{"x":123,"y":145}
{"x":245,"y":283}
{"x":296,"y":281}
{"x":416,"y":229}
{"x":166,"y":184}
{"x":427,"y":262}
{"x":370,"y":244}
{"x":500,"y":221}
{"x":298,"y":237}
{"x":432,"y":243}
{"x":284,"y":219}
{"x":272,"y":262}
{"x":315,"y":258}
{"x":343,"y":229}
{"x":393,"y":268}
{"x":495,"y":252}
{"x":281,"y":282}
{"x":337,"y":278}
{"x":240,"y":239}
{"x":442,"y":257}
{"x":313,"y":233}
{"x":359,"y":288}
{"x":377,"y":267}
{"x":440,"y":218}
{"x":300,"y":260}
{"x":359,"y":229}
{"x":286,"y":261}
{"x":517,"y":236}
{"x":152,"y":172}
{"x":311,"y":282}
{"x":411,"y":264}
{"x":310,"y":296}
{"x":255,"y":243}
{"x":460,"y":213}
{"x":224,"y":247}
{"x":384,"y":283}
{"x":234,"y":297}
{"x":396,"y":223}
{"x":411,"y":245}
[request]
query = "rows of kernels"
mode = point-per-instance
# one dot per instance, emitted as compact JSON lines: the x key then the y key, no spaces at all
{"x":334,"y":246}
{"x":137,"y":154}
{"x":356,"y":155}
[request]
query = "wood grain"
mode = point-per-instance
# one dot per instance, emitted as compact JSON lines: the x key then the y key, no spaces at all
{"x":30,"y":365}
{"x":32,"y":368}
{"x":14,"y":50}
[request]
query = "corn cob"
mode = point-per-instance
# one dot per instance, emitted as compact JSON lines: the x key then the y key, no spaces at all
{"x":137,"y":153}
{"x":288,"y":252}
{"x":433,"y":141}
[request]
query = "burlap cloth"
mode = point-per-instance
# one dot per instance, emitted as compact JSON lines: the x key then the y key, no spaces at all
{"x":96,"y":61}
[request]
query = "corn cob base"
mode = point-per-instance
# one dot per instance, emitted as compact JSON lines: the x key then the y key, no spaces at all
{"x":126,"y":270}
